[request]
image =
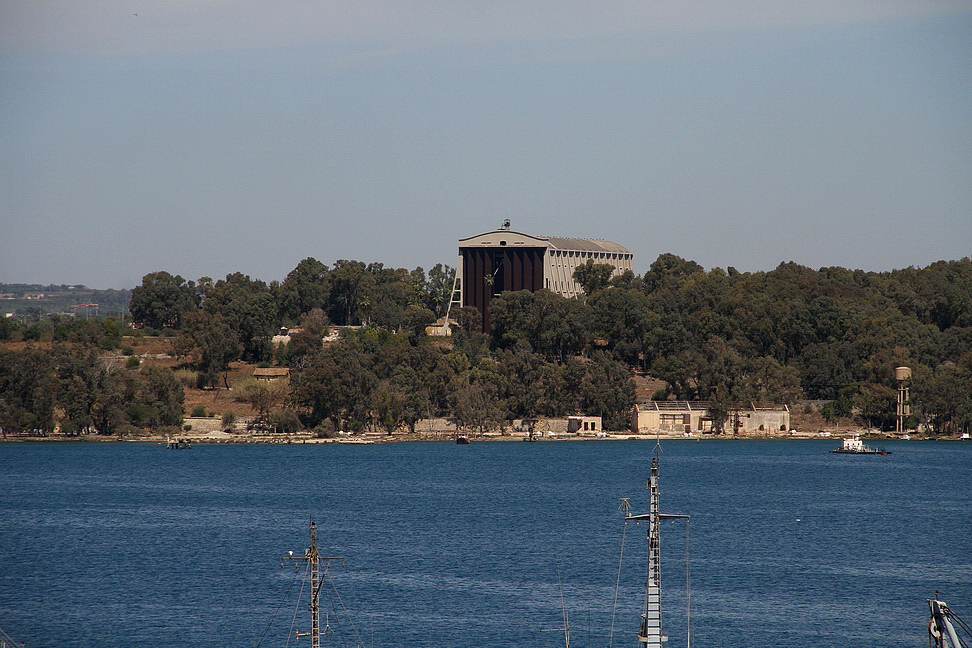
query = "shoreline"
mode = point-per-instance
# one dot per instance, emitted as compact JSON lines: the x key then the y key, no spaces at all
{"x":224,"y":438}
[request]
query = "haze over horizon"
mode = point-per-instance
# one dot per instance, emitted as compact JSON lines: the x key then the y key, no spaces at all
{"x":204,"y":138}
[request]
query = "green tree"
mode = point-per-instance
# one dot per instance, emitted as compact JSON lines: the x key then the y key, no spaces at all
{"x":877,"y":404}
{"x":943,"y":398}
{"x":309,"y":341}
{"x":162,"y":300}
{"x":416,"y":318}
{"x":343,"y":301}
{"x":160,"y":390}
{"x":624,"y":320}
{"x":264,"y":397}
{"x":117,"y":391}
{"x":285,"y":421}
{"x":438,"y":288}
{"x":248,"y":307}
{"x":338,"y":385}
{"x":216,"y":346}
{"x":476,"y":405}
{"x":79,"y":375}
{"x":306,"y":288}
{"x":842,"y":406}
{"x":667,"y":270}
{"x":542,"y":321}
{"x":593,"y":276}
{"x":28,"y":391}
{"x":608,"y":391}
{"x":389,"y":407}
{"x":533,"y":387}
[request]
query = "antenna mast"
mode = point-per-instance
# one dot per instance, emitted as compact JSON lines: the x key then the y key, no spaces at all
{"x":650,"y":635}
{"x":313,"y":558}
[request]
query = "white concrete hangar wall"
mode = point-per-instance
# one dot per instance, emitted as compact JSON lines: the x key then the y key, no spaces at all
{"x":565,"y":254}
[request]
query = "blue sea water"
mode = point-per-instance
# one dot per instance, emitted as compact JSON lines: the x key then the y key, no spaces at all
{"x":128,"y":544}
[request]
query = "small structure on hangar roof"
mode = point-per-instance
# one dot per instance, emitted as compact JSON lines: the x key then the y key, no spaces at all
{"x":505,"y":260}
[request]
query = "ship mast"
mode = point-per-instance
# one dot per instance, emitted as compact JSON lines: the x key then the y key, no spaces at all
{"x":313,"y":558}
{"x":941,"y":626}
{"x":650,"y":634}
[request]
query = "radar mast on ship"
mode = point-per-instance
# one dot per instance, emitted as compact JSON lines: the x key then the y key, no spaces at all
{"x":312,"y":558}
{"x":650,"y":634}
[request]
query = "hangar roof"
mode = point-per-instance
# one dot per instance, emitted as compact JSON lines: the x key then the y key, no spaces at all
{"x":499,"y":238}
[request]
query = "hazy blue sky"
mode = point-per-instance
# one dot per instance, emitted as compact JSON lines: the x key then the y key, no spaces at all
{"x":204,"y":137}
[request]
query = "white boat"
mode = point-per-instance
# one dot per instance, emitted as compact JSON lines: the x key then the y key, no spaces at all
{"x":854,"y":445}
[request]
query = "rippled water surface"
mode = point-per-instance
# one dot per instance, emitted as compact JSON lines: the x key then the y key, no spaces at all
{"x":128,"y":544}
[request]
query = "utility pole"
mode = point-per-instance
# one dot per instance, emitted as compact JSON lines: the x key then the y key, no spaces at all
{"x":313,"y":558}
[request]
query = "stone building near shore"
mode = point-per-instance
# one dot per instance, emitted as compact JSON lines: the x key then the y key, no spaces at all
{"x":691,"y":417}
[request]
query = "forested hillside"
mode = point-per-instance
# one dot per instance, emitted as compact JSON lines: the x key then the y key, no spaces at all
{"x":790,"y":335}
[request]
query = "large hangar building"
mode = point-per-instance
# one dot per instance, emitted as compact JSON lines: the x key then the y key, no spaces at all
{"x":504,"y":260}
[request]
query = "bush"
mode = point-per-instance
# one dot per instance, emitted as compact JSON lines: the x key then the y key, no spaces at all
{"x":133,"y":362}
{"x":325,"y":431}
{"x":285,"y":421}
{"x":127,"y":429}
{"x":127,"y":350}
{"x":207,"y":379}
{"x":229,"y":421}
{"x":187,"y":377}
{"x":198,"y":411}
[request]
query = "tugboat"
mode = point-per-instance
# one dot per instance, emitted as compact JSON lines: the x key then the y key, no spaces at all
{"x":854,"y":445}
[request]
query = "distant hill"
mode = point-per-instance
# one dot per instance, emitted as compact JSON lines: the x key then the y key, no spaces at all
{"x":37,"y":299}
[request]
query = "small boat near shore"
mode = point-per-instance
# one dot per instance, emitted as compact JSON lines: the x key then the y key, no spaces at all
{"x":854,"y":445}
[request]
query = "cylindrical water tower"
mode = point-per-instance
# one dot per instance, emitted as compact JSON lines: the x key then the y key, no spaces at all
{"x":902,"y":374}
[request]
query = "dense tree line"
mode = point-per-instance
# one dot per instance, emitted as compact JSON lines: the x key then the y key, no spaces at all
{"x":376,"y":378}
{"x":830,"y":335}
{"x":101,"y":332}
{"x":73,"y":389}
{"x":789,"y":334}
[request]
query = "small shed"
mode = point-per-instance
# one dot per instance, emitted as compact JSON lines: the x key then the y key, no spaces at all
{"x":584,"y":424}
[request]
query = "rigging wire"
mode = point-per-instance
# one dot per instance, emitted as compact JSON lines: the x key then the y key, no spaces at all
{"x":617,"y":585}
{"x":275,"y":612}
{"x":962,"y":624}
{"x":346,"y":613}
{"x":688,"y":588}
{"x":300,"y":595}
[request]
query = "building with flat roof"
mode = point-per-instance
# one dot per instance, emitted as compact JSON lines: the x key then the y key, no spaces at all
{"x":691,"y":417}
{"x":504,"y":260}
